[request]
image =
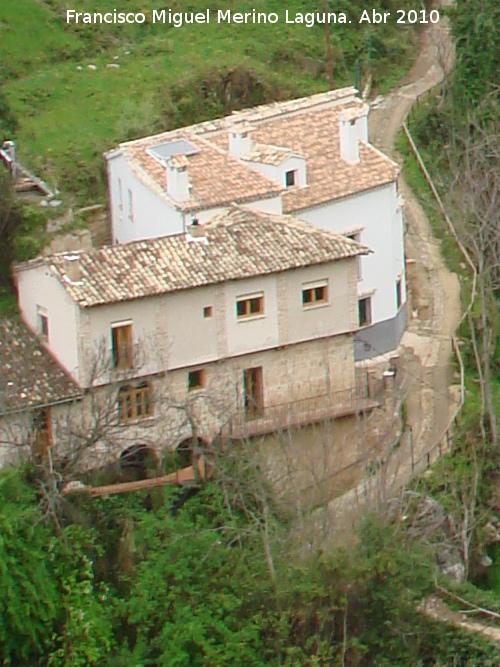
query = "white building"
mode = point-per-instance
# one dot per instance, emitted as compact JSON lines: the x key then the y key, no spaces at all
{"x":243,"y":324}
{"x":308,"y":157}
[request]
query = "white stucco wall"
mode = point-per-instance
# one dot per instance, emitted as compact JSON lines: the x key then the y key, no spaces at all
{"x":376,"y":216}
{"x":152,"y":215}
{"x":38,"y":288}
{"x":171,"y":331}
{"x":277,"y":172}
{"x":271,"y":205}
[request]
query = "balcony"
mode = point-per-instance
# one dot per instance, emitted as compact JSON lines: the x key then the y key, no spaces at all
{"x":310,"y":410}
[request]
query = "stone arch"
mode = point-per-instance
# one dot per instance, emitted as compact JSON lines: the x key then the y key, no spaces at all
{"x":187,"y":448}
{"x":139,"y":461}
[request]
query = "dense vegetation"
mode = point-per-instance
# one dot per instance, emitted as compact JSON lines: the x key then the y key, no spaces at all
{"x":68,"y":115}
{"x":127,"y":581}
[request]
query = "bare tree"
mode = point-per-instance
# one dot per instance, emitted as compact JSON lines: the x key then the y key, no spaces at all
{"x":475,"y":195}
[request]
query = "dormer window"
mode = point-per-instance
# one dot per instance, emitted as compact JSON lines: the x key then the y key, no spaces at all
{"x":291,"y":178}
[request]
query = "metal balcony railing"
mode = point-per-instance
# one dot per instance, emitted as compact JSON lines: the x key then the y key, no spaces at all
{"x":270,"y":418}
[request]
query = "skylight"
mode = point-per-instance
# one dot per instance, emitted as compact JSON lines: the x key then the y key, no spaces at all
{"x":178,"y":147}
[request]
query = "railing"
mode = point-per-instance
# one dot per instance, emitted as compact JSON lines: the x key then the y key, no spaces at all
{"x":300,"y":412}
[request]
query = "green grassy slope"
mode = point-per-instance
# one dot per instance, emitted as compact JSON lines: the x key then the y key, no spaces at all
{"x":167,"y":77}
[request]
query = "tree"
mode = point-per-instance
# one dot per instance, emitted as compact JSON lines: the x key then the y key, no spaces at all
{"x":475,"y":193}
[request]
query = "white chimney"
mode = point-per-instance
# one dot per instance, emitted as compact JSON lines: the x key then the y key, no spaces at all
{"x":177,"y":177}
{"x":240,"y":142}
{"x":72,"y":268}
{"x":349,"y":139}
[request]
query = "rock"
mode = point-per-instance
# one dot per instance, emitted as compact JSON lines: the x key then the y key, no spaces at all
{"x":455,"y":571}
{"x":79,"y":68}
{"x":115,"y":57}
{"x":92,"y":67}
{"x":492,"y":534}
{"x":55,"y":225}
{"x":44,"y":203}
{"x":486,"y":562}
{"x":112,"y":66}
{"x":54,"y":203}
{"x":74,"y":486}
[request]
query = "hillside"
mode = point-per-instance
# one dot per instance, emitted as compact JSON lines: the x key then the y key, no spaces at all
{"x":68,"y":114}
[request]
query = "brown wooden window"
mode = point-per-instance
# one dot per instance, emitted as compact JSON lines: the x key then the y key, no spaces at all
{"x":196,"y":380}
{"x":135,"y":402}
{"x":316,"y":294}
{"x":121,"y":343}
{"x":42,"y":431}
{"x":250,"y":306}
{"x":207,"y":311}
{"x":399,"y":294}
{"x":253,"y":392}
{"x":365,"y":311}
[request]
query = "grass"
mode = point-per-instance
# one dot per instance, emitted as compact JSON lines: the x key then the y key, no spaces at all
{"x":68,"y":115}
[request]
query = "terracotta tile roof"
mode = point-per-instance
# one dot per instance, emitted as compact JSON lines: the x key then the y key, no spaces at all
{"x":237,"y":243}
{"x":267,"y":154}
{"x":307,"y":126}
{"x":29,"y":376}
{"x":217,"y":178}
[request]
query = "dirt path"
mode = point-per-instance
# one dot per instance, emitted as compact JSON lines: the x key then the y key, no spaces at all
{"x":430,"y":400}
{"x":435,"y":608}
{"x":438,"y":306}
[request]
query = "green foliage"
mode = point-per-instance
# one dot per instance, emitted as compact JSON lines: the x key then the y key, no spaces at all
{"x":475,"y":29}
{"x":29,"y":595}
{"x":85,"y":636}
{"x":67,"y":117}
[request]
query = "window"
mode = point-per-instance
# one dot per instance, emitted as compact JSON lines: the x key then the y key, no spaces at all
{"x":315,"y":294}
{"x":196,"y":380}
{"x":357,"y":237}
{"x":399,"y":294}
{"x":42,"y":431}
{"x":135,"y":402}
{"x":290,"y":178}
{"x":207,"y":311}
{"x":250,"y":306}
{"x":121,"y":342}
{"x":130,"y":206}
{"x":43,"y":325}
{"x":365,"y":311}
{"x":253,"y":392}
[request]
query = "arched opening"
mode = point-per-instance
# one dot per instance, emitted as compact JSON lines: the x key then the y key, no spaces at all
{"x":188,"y":449}
{"x":138,"y":462}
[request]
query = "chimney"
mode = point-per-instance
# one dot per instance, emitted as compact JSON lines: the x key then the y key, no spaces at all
{"x":196,"y":230}
{"x":349,"y":138}
{"x":177,"y":177}
{"x":72,"y":268}
{"x":240,"y":142}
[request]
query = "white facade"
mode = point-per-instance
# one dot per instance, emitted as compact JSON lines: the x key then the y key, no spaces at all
{"x":172,"y":331}
{"x":375,"y":217}
{"x":372,"y":215}
{"x":136,"y":211}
